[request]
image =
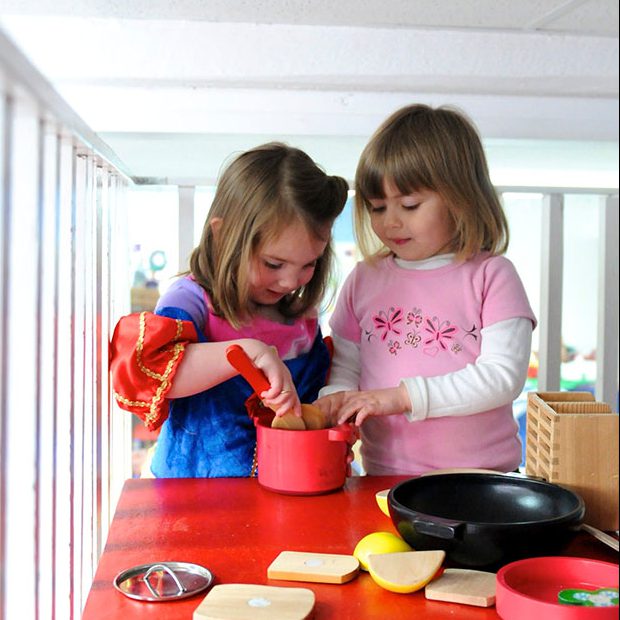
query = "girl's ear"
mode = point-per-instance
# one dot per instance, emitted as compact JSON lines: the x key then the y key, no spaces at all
{"x":216,"y":226}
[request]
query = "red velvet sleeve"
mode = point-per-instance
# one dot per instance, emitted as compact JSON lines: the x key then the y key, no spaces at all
{"x":145,"y":352}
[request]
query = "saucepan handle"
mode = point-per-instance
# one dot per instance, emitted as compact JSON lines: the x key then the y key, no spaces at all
{"x":343,"y":432}
{"x":439,"y":528}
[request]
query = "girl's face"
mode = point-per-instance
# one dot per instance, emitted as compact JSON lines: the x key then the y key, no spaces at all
{"x":284,"y":264}
{"x":413,"y":227}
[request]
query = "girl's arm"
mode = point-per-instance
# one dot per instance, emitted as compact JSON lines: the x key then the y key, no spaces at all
{"x":205,"y":365}
{"x":496,"y":378}
{"x":149,"y":352}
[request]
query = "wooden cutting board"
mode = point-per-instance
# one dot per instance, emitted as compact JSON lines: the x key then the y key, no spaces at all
{"x":314,"y":567}
{"x":241,"y":601}
{"x":459,"y":585}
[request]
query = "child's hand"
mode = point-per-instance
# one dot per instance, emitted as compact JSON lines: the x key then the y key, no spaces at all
{"x":281,"y":396}
{"x":331,"y":404}
{"x":360,"y":405}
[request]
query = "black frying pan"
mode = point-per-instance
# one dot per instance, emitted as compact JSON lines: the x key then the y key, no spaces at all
{"x":485,"y":520}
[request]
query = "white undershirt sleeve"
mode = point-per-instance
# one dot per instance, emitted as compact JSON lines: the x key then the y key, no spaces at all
{"x":496,"y":378}
{"x":345,"y":369}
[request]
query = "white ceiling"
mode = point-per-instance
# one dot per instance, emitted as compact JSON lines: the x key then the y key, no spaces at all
{"x":174,"y":87}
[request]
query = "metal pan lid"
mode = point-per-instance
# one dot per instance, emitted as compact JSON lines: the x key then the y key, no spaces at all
{"x":163,"y":581}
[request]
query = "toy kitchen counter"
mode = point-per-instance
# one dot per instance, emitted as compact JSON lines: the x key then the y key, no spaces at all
{"x":235,"y":529}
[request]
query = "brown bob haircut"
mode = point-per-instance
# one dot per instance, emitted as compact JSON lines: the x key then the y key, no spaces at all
{"x":438,"y":149}
{"x":259,"y":194}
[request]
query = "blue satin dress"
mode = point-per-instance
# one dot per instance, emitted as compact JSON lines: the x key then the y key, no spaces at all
{"x":211,"y":434}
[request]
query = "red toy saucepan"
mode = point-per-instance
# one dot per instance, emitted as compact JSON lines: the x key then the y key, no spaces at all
{"x":541,"y":587}
{"x":296,"y":462}
{"x":302,"y":462}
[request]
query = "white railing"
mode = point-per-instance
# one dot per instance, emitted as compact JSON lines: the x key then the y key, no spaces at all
{"x":64,"y":283}
{"x":553,"y":277}
{"x":549,"y":220}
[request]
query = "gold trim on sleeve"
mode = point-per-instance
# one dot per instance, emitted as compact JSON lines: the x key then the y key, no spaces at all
{"x":153,"y":405}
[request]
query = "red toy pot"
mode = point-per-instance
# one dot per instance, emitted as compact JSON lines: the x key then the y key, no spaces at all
{"x":302,"y":462}
{"x":529,"y":588}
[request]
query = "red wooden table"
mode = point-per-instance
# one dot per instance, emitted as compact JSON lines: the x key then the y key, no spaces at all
{"x":236,"y":528}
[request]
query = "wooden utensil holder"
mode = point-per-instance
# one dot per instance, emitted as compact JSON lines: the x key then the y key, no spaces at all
{"x":572,"y":440}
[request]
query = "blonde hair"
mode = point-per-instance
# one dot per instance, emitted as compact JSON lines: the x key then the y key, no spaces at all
{"x":261,"y":193}
{"x":438,"y":149}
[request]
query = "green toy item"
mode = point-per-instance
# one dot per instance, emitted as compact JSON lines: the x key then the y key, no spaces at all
{"x":603,"y":597}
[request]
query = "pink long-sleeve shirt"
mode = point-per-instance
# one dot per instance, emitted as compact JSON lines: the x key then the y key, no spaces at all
{"x":427,"y":323}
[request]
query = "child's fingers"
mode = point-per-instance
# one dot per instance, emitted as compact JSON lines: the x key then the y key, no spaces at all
{"x":288,"y":401}
{"x":324,"y":405}
{"x":357,"y":409}
{"x":272,"y":394}
{"x":360,"y":416}
{"x":285,"y":402}
{"x":331,"y":406}
{"x":347,"y":416}
{"x":284,"y":409}
{"x":355,"y":435}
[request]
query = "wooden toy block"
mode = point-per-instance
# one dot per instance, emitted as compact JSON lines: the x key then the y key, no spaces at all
{"x":572,"y":440}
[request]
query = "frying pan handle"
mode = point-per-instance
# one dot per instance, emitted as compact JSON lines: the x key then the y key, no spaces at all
{"x":241,"y":362}
{"x":439,"y":528}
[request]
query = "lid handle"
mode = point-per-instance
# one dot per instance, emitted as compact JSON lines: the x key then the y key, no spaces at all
{"x":166,"y":569}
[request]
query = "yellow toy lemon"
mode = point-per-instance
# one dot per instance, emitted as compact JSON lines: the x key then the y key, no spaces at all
{"x":382,"y":501}
{"x":405,"y":572}
{"x":378,"y":543}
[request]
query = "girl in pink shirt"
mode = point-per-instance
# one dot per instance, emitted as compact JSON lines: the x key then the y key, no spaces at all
{"x":432,"y":331}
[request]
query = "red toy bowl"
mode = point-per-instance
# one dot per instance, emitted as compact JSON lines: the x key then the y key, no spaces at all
{"x":529,"y":588}
{"x":302,"y":462}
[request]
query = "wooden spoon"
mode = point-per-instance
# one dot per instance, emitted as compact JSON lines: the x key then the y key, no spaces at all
{"x":602,"y":536}
{"x":312,"y":417}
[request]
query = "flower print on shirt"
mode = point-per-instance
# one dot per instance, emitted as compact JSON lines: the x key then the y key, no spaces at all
{"x":394,"y":346}
{"x":368,"y":333}
{"x":386,"y":322}
{"x":471,"y":332}
{"x":413,"y":339}
{"x":415,"y":316}
{"x":433,"y":336}
{"x":438,"y":335}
